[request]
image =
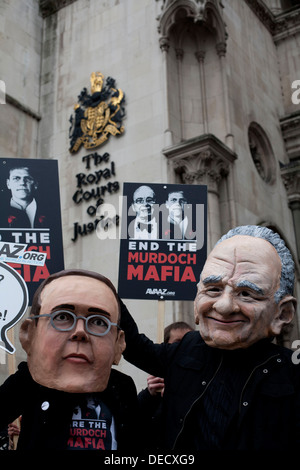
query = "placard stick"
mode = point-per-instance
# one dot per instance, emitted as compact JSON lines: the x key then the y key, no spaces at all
{"x":13,"y":440}
{"x":11,"y":357}
{"x":17,"y":422}
{"x":161,"y":321}
{"x":11,"y":370}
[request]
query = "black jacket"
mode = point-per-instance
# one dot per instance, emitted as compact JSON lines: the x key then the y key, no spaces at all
{"x":150,"y":412}
{"x":49,"y":428}
{"x":267,"y":411}
{"x":11,"y":217}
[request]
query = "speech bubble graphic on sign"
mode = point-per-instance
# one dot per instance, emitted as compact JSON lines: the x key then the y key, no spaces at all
{"x":13,"y":302}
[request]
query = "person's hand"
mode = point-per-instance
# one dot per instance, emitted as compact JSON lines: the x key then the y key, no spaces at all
{"x":155,"y":385}
{"x":13,"y":430}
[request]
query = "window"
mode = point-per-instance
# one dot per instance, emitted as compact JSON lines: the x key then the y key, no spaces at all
{"x":262,"y":153}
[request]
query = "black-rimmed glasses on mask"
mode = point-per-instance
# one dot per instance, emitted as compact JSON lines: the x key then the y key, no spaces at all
{"x":63,"y":320}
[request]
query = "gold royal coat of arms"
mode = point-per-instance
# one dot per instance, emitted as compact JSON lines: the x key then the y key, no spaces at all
{"x":96,"y":115}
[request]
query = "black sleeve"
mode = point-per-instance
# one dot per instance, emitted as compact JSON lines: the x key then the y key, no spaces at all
{"x":148,"y":403}
{"x":141,"y":351}
{"x":151,"y":415}
{"x":121,"y":397}
{"x":14,"y":393}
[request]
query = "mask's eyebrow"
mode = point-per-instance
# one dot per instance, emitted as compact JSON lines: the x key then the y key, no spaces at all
{"x":212,"y":279}
{"x":251,"y":286}
{"x":100,"y":311}
{"x":63,"y":307}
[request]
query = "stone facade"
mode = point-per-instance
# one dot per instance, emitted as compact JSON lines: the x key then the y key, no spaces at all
{"x":208,"y":98}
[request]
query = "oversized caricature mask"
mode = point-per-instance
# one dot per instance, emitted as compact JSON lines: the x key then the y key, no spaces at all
{"x":69,"y":355}
{"x":236,"y":304}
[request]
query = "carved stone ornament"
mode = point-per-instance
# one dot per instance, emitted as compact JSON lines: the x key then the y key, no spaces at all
{"x":48,"y":7}
{"x":207,"y":12}
{"x":290,"y":128}
{"x":282,"y":25}
{"x":97,"y":115}
{"x":202,"y":168}
{"x":203,"y":160}
{"x":290,"y":174}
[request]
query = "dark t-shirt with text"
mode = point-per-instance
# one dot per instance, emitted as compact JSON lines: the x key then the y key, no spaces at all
{"x":92,"y":427}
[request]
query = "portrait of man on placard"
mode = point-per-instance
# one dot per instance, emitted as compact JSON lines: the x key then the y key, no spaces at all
{"x":145,"y":224}
{"x":176,"y":219}
{"x":23,"y":208}
{"x":30,"y":214}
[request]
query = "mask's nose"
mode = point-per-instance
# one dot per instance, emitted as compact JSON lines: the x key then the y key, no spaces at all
{"x":226,"y":304}
{"x":79,"y":333}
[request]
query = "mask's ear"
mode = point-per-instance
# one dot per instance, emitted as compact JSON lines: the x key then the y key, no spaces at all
{"x":119,"y":347}
{"x":285,"y":314}
{"x":27,"y":331}
{"x":196,"y":314}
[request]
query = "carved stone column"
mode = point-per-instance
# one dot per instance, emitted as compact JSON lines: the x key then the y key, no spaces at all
{"x":221,"y":51}
{"x":291,"y":178}
{"x":179,"y":56}
{"x":200,"y":55}
{"x":164,"y":46}
{"x":204,"y":19}
{"x":204,"y":160}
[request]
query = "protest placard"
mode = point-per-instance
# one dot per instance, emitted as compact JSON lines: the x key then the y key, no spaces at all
{"x":163,"y":240}
{"x":13,"y":303}
{"x":30,"y":219}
